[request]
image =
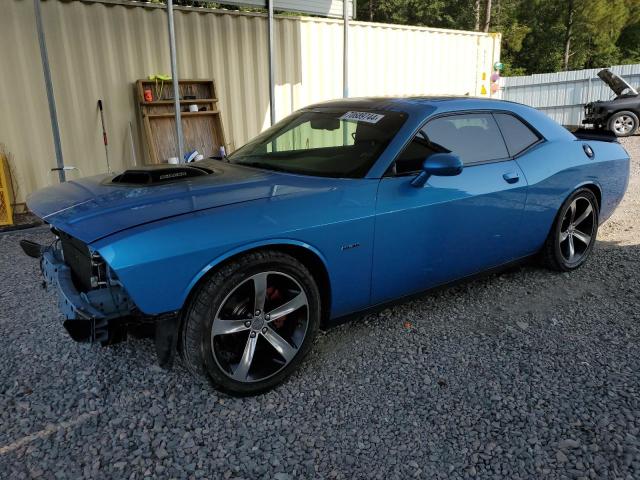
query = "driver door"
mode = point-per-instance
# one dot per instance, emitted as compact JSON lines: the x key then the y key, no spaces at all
{"x":453,"y":226}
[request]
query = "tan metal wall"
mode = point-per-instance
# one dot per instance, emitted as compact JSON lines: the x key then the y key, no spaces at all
{"x":97,"y":49}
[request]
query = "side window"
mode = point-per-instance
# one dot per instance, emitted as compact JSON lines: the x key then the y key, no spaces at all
{"x":517,"y":135}
{"x":474,"y":137}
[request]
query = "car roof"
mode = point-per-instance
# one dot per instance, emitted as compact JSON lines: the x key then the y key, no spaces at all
{"x":413,"y":103}
{"x":421,"y":107}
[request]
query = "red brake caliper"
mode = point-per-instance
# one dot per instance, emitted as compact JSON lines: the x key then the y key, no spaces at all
{"x":273,"y":294}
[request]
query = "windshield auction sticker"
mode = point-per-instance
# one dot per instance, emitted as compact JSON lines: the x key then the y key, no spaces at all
{"x":366,"y":117}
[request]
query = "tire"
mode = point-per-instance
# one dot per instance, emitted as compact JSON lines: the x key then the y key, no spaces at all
{"x":222,"y":333}
{"x":623,"y":124}
{"x":573,"y":234}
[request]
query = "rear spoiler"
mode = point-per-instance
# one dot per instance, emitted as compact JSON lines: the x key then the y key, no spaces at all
{"x":593,"y":134}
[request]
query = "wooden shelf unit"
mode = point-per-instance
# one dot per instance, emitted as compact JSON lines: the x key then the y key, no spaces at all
{"x":184,"y":114}
{"x":202,"y":130}
{"x":182,"y":102}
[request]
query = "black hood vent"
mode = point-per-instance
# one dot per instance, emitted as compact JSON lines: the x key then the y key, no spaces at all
{"x":159,"y":174}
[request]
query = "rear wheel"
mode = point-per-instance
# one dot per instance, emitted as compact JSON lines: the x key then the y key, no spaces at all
{"x":574,"y":231}
{"x":252,"y":323}
{"x":623,"y":124}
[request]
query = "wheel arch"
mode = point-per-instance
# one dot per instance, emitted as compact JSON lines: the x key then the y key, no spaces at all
{"x":550,"y":250}
{"x":635,"y":111}
{"x":306,"y":254}
{"x":595,"y":189}
{"x":590,"y":185}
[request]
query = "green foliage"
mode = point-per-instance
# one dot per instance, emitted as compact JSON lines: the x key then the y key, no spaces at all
{"x":190,"y":3}
{"x":534,"y":32}
{"x":433,"y":13}
{"x":629,"y":44}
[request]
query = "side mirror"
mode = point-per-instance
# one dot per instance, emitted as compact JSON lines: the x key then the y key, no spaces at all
{"x":439,"y":164}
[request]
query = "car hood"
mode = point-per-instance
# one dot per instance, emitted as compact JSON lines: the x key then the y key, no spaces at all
{"x":92,"y":208}
{"x":616,"y":83}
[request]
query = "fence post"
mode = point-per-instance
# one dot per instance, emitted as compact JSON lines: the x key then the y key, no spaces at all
{"x":272,"y":102}
{"x":175,"y":80}
{"x":53,"y":113}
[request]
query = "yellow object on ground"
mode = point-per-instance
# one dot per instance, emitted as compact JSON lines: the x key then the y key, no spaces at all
{"x":6,"y":194}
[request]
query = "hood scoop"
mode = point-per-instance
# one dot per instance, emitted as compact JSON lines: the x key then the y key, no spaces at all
{"x":159,"y":174}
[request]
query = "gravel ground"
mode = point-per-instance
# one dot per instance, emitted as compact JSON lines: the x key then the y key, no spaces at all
{"x":526,"y":374}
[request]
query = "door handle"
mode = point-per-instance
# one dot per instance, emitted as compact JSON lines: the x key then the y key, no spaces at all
{"x":511,"y":177}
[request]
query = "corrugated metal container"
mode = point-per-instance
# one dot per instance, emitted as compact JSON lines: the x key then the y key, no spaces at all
{"x":399,"y":60}
{"x":562,"y":95}
{"x":97,"y":50}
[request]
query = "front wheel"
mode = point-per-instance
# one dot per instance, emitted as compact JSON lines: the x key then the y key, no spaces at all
{"x":252,"y":323}
{"x":623,"y":124}
{"x":574,"y":231}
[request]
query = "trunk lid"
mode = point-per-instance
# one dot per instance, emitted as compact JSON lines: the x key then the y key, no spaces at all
{"x":616,"y":83}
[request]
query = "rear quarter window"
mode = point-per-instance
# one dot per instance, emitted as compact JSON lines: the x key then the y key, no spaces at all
{"x":517,"y":135}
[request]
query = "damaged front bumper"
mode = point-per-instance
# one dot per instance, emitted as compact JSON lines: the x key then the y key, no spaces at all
{"x":88,"y":315}
{"x":103,"y":314}
{"x":594,"y":115}
{"x":598,"y":121}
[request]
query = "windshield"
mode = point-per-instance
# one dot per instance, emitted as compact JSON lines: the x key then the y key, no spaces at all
{"x":323,"y":142}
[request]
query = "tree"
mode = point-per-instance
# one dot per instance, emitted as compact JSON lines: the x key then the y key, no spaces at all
{"x":576,"y":34}
{"x":567,"y":37}
{"x":458,"y":14}
{"x":487,"y":21}
{"x":190,"y":3}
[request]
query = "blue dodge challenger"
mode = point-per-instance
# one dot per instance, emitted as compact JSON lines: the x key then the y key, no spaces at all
{"x":341,"y":207}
